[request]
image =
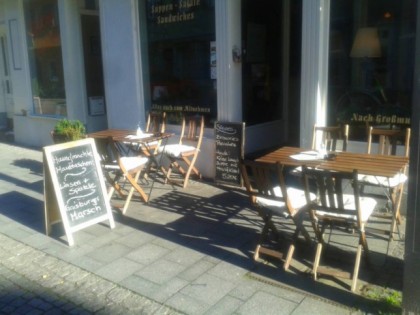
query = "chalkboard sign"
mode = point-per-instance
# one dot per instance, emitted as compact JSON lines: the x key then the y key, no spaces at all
{"x":229,"y":138}
{"x":74,"y":170}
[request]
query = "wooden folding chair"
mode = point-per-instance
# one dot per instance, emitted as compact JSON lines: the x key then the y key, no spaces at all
{"x":327,"y":139}
{"x":387,"y":142}
{"x":187,"y":150}
{"x":124,"y":169}
{"x":265,"y":184}
{"x":109,"y":166}
{"x":336,"y":209}
{"x":330,"y":138}
{"x":156,"y":122}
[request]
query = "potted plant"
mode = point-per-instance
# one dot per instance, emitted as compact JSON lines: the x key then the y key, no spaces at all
{"x":68,"y":130}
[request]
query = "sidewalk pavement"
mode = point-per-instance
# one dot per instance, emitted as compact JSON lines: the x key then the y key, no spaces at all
{"x":32,"y":282}
{"x":188,"y":251}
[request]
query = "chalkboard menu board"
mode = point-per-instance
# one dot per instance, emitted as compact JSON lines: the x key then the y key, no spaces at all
{"x":77,"y":181}
{"x":229,"y":138}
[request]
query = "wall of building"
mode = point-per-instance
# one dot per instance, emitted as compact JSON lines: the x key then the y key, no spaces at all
{"x":34,"y":130}
{"x":17,"y":58}
{"x":122,"y":69}
{"x":28,"y":131}
{"x":124,"y":74}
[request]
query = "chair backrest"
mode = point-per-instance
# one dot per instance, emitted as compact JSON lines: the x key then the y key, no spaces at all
{"x":331,"y":189}
{"x":261,"y":178}
{"x":105,"y":151}
{"x":333,"y":138}
{"x":114,"y":148}
{"x":110,"y":151}
{"x":388,"y":140}
{"x":156,"y":122}
{"x":192,"y":130}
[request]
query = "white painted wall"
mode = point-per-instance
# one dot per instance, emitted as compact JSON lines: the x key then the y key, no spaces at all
{"x":229,"y":73}
{"x":314,"y":75}
{"x":72,"y":51}
{"x":33,"y":131}
{"x":121,"y":57}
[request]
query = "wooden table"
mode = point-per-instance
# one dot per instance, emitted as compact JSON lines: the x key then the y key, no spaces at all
{"x":366,"y":164}
{"x":128,"y":135}
{"x":125,"y":136}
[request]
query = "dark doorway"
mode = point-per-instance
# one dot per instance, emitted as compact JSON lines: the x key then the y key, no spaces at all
{"x":271,"y":33}
{"x":92,"y":53}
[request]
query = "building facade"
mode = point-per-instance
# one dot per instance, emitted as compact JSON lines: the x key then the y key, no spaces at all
{"x":278,"y":66}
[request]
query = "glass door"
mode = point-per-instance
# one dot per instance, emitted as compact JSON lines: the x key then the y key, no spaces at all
{"x":271,"y":35}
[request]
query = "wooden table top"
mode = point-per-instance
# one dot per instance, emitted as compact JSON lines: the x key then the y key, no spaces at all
{"x":369,"y":164}
{"x":128,"y":135}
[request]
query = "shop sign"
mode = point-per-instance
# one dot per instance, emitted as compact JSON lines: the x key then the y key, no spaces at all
{"x":380,"y":119}
{"x":181,"y":108}
{"x":178,"y":11}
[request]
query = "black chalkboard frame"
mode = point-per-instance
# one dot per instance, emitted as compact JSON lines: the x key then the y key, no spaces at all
{"x":238,"y":129}
{"x":54,"y":199}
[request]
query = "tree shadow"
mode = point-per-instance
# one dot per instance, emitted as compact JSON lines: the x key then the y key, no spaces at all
{"x":35,"y":167}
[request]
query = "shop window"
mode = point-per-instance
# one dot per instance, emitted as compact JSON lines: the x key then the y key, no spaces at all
{"x":181,"y":58}
{"x":45,"y":57}
{"x":271,"y":36}
{"x":371,"y":63}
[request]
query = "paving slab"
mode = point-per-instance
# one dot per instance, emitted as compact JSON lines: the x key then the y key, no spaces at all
{"x":187,"y":251}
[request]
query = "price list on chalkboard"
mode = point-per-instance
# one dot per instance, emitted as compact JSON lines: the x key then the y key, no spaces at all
{"x":74,"y":184}
{"x":79,"y":184}
{"x":229,"y":138}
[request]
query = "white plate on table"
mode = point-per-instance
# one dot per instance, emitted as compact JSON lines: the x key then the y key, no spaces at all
{"x":307,"y":156}
{"x":142,"y":136}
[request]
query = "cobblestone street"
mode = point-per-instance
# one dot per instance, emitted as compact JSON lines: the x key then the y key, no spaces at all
{"x":32,"y":282}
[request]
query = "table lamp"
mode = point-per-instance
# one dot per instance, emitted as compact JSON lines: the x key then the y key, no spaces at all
{"x":366,"y":45}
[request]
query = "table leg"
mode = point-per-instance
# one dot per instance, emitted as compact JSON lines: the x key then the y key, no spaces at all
{"x":153,"y":152}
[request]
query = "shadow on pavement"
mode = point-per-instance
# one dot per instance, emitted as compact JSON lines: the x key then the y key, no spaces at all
{"x":37,"y":186}
{"x":221,"y":227}
{"x":23,"y":209}
{"x":35,"y":167}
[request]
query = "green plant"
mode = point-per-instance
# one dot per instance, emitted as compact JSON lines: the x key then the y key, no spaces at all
{"x":387,"y":301}
{"x":69,"y":130}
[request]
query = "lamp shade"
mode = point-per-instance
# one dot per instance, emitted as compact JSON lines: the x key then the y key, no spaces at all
{"x":366,"y":44}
